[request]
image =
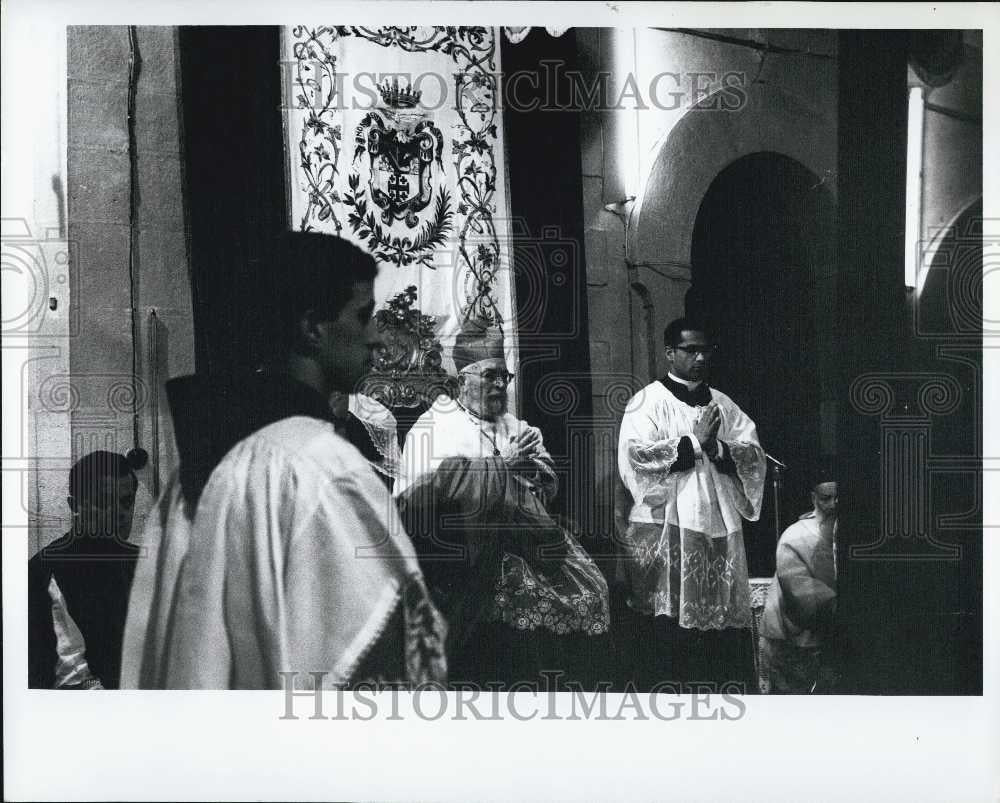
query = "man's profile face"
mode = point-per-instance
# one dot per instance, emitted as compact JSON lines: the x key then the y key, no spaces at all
{"x":691,"y":358}
{"x":825,"y":498}
{"x":347,"y":343}
{"x":107,"y":507}
{"x":484,"y":388}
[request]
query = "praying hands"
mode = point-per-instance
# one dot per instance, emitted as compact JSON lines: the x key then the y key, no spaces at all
{"x":706,"y":429}
{"x":523,"y":447}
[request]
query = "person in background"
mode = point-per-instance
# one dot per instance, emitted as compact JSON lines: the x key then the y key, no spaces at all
{"x":797,"y":624}
{"x":78,"y":586}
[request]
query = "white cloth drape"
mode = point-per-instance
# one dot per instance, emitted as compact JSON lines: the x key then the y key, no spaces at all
{"x":294,"y":560}
{"x":448,"y":430}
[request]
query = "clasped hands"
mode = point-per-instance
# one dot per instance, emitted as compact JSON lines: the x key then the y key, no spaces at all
{"x":706,"y":429}
{"x":522,"y":448}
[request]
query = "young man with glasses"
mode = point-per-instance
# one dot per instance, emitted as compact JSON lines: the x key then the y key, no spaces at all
{"x":691,"y":459}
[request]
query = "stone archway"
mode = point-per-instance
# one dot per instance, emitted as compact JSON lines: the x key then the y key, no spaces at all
{"x":702,"y":144}
{"x":689,"y":158}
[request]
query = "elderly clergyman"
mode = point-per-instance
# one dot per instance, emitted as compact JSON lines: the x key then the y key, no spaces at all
{"x":692,"y":461}
{"x":520,"y":594}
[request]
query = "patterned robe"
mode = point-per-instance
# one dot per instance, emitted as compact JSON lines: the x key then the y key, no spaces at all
{"x":490,"y":550}
{"x":685,"y":556}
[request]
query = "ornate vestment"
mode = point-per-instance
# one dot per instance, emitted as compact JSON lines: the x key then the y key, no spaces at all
{"x":488,"y":547}
{"x":685,"y":556}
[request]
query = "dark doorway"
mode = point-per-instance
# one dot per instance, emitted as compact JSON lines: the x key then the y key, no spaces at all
{"x":761,"y":267}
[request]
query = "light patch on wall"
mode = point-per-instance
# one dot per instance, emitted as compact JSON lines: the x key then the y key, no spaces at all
{"x":914,"y":182}
{"x":626,"y":118}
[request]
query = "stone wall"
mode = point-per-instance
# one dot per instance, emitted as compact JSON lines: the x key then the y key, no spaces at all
{"x":696,"y":104}
{"x":98,"y":193}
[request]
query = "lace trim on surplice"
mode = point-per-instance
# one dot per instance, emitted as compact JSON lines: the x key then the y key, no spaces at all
{"x":652,"y":463}
{"x":699,"y":580}
{"x":752,"y":472}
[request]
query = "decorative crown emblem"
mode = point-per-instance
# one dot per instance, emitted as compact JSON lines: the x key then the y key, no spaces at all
{"x":392,"y":95}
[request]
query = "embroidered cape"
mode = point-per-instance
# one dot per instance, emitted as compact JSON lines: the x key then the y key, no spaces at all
{"x":488,"y":546}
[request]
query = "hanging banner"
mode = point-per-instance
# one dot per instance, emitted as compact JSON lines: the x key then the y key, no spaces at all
{"x":394,"y":141}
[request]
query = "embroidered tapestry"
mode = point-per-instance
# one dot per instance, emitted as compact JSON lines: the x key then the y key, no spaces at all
{"x":394,"y":141}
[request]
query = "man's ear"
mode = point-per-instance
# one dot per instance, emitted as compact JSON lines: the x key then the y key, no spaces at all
{"x":309,"y":328}
{"x":71,"y":502}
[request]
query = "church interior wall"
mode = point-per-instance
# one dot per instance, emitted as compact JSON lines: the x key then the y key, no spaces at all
{"x":100,"y":349}
{"x":912,"y":586}
{"x":638,"y":256}
{"x":953,"y":139}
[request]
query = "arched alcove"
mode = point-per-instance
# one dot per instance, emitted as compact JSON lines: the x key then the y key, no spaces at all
{"x":689,"y":158}
{"x":707,"y":139}
{"x":761,"y":268}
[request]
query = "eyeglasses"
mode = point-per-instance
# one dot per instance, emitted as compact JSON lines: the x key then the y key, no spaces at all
{"x":704,"y":351}
{"x":502,"y":378}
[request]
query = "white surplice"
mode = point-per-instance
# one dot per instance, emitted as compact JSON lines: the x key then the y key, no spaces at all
{"x":804,"y":587}
{"x":448,"y":429}
{"x":294,"y":561}
{"x":685,"y":553}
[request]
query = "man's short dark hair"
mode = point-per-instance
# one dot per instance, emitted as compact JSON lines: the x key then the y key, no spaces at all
{"x":89,"y":470}
{"x":674,"y":332}
{"x":317,"y":271}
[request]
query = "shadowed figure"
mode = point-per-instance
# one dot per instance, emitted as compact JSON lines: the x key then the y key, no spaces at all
{"x":78,"y":586}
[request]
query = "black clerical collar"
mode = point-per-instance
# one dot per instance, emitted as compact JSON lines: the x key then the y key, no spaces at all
{"x":698,"y":397}
{"x":298,"y":398}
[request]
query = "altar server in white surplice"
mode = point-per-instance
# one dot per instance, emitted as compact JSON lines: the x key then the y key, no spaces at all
{"x":691,"y":460}
{"x":275,"y":556}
